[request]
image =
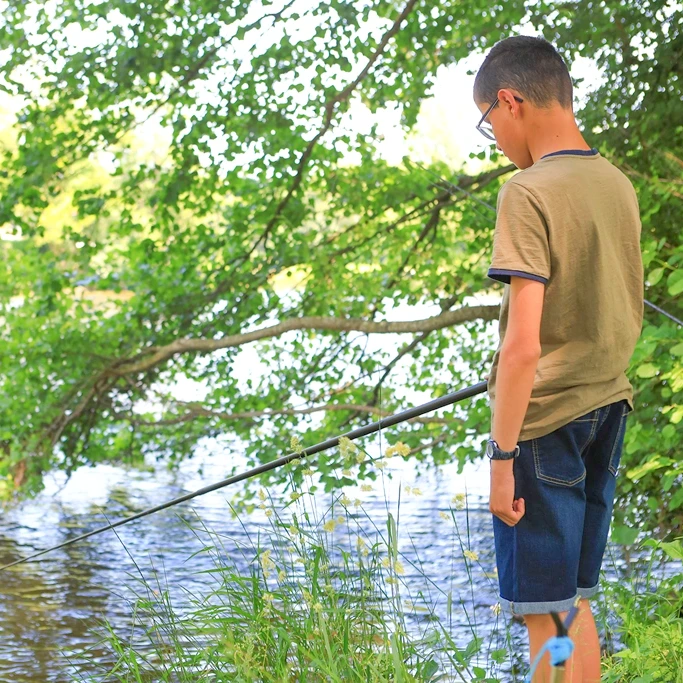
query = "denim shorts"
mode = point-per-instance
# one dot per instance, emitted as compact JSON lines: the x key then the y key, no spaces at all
{"x":567,"y":479}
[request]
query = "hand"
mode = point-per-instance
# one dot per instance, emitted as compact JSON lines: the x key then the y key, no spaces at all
{"x":502,"y":501}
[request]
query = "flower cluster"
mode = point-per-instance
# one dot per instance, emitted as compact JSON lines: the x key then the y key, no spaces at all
{"x":296,"y":445}
{"x":459,"y":501}
{"x":398,"y":448}
{"x":331,"y":525}
{"x":262,"y":505}
{"x":346,"y":446}
{"x":267,"y":565}
{"x":396,"y":565}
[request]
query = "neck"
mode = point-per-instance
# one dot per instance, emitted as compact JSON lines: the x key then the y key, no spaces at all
{"x":554,"y":131}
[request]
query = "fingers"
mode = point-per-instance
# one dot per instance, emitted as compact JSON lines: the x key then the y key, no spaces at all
{"x":511,"y":517}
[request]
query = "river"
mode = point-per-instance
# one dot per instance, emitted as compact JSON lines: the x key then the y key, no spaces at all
{"x":51,"y":608}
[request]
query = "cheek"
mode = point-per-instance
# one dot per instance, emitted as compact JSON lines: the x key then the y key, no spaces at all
{"x":503,"y":140}
{"x":508,"y":141}
{"x":503,"y":133}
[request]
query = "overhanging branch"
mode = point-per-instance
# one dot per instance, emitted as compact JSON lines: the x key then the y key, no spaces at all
{"x":159,"y":354}
{"x":194,"y":411}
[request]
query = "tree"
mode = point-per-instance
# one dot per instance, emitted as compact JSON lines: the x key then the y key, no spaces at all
{"x":253,"y":186}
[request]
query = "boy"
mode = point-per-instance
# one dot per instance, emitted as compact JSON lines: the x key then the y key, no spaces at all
{"x":567,"y":244}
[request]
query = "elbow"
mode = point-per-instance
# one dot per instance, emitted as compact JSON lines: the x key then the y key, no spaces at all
{"x":519,"y":354}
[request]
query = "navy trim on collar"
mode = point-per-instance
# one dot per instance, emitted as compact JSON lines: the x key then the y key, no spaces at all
{"x":581,"y":152}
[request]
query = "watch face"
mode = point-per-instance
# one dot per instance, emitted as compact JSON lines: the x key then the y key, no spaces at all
{"x":489,"y":448}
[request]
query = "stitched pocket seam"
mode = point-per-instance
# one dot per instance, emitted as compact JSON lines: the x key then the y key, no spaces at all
{"x":545,"y":477}
{"x":594,"y":429}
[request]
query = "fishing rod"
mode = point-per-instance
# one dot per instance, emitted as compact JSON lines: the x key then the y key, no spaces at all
{"x":384,"y":422}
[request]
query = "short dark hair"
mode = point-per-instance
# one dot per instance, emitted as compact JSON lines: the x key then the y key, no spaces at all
{"x":531,"y":66}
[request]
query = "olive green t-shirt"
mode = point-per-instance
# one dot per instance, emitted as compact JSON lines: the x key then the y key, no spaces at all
{"x":571,"y":221}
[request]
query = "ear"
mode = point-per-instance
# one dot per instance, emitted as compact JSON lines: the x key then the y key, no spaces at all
{"x":507,"y":101}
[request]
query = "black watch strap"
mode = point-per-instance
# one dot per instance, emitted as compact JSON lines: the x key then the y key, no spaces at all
{"x":494,"y":452}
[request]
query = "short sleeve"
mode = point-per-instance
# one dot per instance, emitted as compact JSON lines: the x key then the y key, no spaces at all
{"x":520,"y":240}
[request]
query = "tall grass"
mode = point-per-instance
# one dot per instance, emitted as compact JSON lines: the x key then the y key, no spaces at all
{"x":648,"y":612}
{"x":323,"y":600}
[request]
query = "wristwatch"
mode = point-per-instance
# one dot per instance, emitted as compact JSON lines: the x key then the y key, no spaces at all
{"x":495,"y":453}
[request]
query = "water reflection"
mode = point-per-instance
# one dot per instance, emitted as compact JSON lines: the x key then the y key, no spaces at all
{"x":49,"y":608}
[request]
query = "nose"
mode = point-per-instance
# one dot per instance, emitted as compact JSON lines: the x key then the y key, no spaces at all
{"x":498,"y":147}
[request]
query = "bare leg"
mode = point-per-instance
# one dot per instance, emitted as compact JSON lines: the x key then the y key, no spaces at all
{"x":586,"y":642}
{"x":541,"y":628}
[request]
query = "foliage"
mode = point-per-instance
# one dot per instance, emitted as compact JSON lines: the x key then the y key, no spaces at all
{"x":650,"y":614}
{"x":144,"y":267}
{"x":253,"y":187}
{"x":324,"y":601}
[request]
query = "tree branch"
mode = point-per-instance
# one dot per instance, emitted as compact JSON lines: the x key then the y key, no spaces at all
{"x":330,"y":107}
{"x":195,"y":411}
{"x":159,"y":354}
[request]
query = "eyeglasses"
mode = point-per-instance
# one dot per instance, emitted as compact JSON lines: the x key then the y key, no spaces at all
{"x":484,"y":127}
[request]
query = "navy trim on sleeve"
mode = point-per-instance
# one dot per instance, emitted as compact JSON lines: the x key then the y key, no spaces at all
{"x":582,"y":152}
{"x":503,"y":275}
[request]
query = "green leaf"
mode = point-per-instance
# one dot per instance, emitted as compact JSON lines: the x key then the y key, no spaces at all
{"x":396,"y":657}
{"x":499,"y":656}
{"x":676,"y":500}
{"x":655,"y":276}
{"x":677,"y":350}
{"x":675,"y":282}
{"x":429,"y":668}
{"x":654,"y":462}
{"x":647,"y":370}
{"x":624,"y":535}
{"x":674,"y":549}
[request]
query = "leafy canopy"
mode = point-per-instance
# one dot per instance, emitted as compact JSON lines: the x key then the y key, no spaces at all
{"x":205,"y":246}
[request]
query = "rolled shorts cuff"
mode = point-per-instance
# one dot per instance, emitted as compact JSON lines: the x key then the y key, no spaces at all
{"x":588,"y":592}
{"x":522,"y":608}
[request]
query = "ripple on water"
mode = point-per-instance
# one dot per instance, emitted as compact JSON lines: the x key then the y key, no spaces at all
{"x":50,"y":607}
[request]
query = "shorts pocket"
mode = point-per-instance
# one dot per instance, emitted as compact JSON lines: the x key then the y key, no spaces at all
{"x":558,"y":466}
{"x":618,"y":445}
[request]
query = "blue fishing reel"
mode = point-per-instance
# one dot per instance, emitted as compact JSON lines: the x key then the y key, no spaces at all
{"x":560,"y":647}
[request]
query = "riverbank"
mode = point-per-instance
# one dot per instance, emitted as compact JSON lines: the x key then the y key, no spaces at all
{"x":423,"y":592}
